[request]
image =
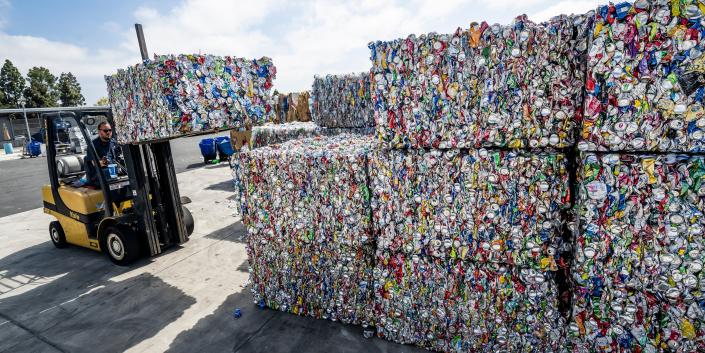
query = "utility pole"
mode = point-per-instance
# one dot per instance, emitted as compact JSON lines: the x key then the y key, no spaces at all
{"x":26,"y":124}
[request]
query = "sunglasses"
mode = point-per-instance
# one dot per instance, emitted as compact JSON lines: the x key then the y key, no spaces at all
{"x":107,"y":130}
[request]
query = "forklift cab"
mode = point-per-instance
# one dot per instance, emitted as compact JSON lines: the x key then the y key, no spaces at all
{"x":132,"y":212}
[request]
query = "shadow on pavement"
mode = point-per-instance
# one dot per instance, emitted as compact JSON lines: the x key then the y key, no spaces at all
{"x":194,"y":166}
{"x":266,"y":330}
{"x":235,"y":232}
{"x":70,"y":303}
{"x":223,"y":186}
{"x":200,"y":164}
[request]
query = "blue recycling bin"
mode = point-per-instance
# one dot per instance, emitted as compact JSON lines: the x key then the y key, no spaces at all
{"x":224,"y":147}
{"x":208,"y":149}
{"x":34,"y":149}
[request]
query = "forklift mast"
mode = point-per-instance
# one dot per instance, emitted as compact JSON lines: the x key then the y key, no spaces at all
{"x":150,"y":168}
{"x":151,"y":171}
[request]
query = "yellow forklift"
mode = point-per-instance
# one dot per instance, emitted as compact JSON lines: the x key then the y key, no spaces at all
{"x":136,"y":211}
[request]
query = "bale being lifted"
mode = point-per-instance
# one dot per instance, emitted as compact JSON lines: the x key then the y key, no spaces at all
{"x":180,"y":95}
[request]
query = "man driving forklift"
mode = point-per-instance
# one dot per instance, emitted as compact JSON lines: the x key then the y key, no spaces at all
{"x":138,"y":212}
{"x":108,"y":152}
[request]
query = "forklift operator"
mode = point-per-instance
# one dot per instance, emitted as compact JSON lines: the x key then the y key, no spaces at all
{"x":108,"y":152}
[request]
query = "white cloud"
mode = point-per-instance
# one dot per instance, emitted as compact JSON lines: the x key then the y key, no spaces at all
{"x":507,"y":5}
{"x":302,"y":37}
{"x":565,"y":7}
{"x":89,"y":66}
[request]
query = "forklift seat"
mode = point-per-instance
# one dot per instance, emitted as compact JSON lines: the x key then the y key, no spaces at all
{"x":68,"y":166}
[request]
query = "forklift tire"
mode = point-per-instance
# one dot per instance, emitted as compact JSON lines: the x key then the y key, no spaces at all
{"x":56,"y":233}
{"x":188,"y":220}
{"x":121,"y":245}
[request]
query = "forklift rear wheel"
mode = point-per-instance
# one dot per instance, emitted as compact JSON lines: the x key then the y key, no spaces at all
{"x":188,"y":220}
{"x":57,"y":234}
{"x":121,"y":245}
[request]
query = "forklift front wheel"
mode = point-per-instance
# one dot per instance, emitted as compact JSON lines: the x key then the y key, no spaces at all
{"x":188,"y":220}
{"x":121,"y":245}
{"x":57,"y":234}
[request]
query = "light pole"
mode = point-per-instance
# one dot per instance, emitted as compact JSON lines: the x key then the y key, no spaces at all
{"x":22,"y":102}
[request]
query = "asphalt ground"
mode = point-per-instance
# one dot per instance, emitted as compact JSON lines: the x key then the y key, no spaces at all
{"x":21,"y":179}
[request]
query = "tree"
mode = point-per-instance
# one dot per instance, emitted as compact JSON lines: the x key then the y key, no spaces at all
{"x":70,"y":91}
{"x":11,"y":85}
{"x":102,"y":101}
{"x":41,"y":92}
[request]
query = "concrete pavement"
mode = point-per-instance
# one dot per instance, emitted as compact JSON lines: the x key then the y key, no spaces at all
{"x":76,"y":300}
{"x":11,"y":156}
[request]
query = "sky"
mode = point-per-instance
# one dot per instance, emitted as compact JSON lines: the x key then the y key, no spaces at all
{"x":304,"y":38}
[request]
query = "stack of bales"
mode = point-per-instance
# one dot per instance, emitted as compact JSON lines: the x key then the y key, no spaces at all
{"x":639,"y":250}
{"x":470,"y":190}
{"x":468,"y":194}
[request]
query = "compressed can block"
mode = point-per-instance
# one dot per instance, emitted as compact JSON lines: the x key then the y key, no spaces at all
{"x":453,"y":305}
{"x":614,"y":319}
{"x":645,"y":81}
{"x":343,"y":101}
{"x":682,"y":326}
{"x":518,"y":85}
{"x":269,"y":134}
{"x":310,"y":246}
{"x":640,"y":240}
{"x":641,"y":223}
{"x":482,"y":205}
{"x":176,"y":95}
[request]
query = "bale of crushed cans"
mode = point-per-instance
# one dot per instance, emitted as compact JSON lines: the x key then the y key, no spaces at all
{"x":269,"y":134}
{"x":305,"y":204}
{"x":639,"y":253}
{"x":516,"y":86}
{"x":176,"y":95}
{"x":454,"y":305}
{"x":481,"y":205}
{"x":343,"y":101}
{"x":646,"y":78}
{"x":467,"y":242}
